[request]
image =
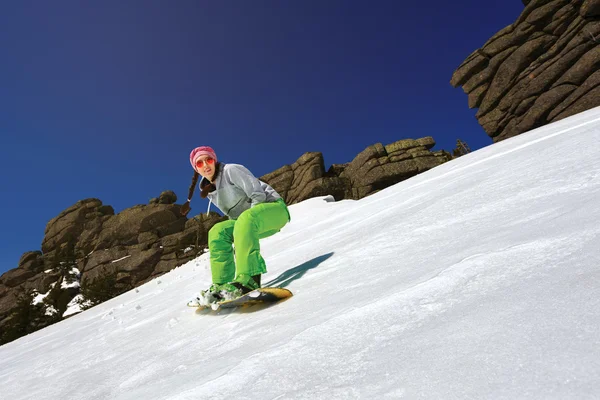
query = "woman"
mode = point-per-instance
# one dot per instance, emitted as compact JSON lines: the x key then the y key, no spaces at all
{"x":255,"y":211}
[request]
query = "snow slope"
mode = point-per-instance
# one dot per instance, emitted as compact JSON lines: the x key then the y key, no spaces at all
{"x":477,"y":279}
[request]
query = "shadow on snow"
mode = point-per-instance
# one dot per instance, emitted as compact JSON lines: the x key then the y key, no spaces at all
{"x":298,"y":272}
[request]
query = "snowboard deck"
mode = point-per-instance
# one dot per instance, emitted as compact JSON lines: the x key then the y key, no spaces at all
{"x":258,"y":296}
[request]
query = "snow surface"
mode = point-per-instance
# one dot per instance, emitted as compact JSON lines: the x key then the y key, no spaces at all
{"x":477,"y":279}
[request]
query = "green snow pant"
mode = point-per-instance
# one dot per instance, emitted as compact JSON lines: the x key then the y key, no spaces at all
{"x":258,"y":222}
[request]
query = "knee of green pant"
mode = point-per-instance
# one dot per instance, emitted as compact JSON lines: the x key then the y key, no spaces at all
{"x":217,"y":233}
{"x":268,"y":233}
{"x":245,"y":222}
{"x":287,"y":211}
{"x":213,"y":234}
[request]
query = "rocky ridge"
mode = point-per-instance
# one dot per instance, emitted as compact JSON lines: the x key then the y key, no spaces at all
{"x":542,"y":68}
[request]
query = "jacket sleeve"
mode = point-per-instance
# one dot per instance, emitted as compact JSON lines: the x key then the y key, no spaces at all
{"x":241,"y":177}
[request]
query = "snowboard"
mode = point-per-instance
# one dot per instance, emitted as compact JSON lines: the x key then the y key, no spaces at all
{"x":259,"y":296}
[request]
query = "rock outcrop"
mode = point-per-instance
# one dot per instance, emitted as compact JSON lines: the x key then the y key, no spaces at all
{"x":542,"y":68}
{"x":375,"y":168}
{"x":135,"y":245}
{"x":89,"y":240}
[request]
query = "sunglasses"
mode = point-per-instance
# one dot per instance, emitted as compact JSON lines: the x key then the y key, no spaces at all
{"x":202,"y":163}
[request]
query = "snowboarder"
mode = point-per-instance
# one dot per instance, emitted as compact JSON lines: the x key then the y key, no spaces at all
{"x":255,"y":211}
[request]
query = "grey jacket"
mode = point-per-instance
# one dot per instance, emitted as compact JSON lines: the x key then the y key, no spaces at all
{"x":237,"y":190}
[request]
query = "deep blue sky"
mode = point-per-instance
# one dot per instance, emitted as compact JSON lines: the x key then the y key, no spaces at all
{"x":106,"y":99}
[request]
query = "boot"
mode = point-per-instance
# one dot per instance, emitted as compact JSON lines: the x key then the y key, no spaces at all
{"x":246,"y":283}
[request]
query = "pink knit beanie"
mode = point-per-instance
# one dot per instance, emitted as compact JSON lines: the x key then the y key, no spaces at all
{"x":201,"y":151}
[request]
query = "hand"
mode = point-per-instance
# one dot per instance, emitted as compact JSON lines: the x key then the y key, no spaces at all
{"x":185,"y":208}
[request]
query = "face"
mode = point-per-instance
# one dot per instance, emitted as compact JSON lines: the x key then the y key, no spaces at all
{"x":206,"y":167}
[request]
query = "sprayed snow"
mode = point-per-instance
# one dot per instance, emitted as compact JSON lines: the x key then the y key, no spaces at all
{"x":477,"y":279}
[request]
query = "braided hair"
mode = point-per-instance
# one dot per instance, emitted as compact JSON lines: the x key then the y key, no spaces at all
{"x":206,"y":186}
{"x":193,"y":185}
